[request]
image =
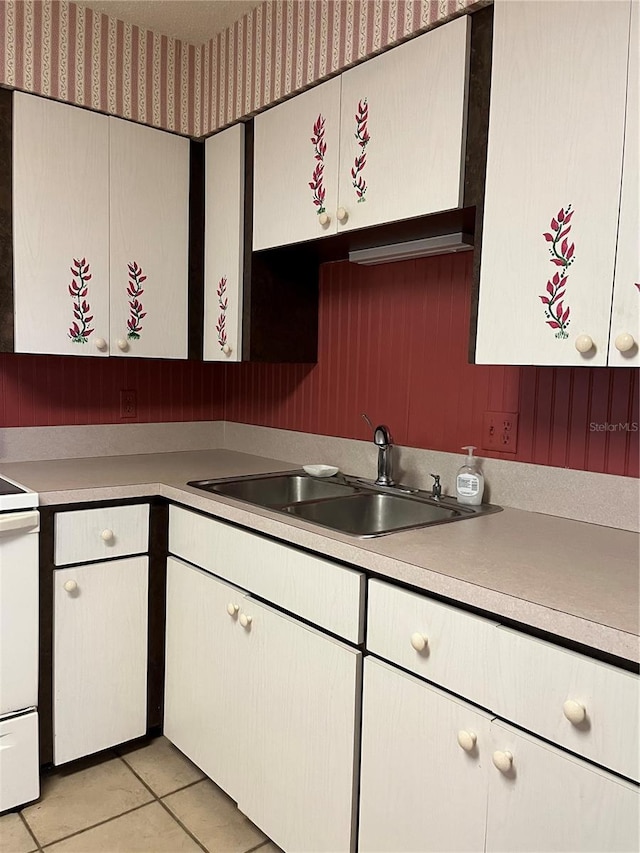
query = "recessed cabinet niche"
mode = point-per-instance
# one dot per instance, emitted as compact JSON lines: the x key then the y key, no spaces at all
{"x":383,"y":142}
{"x":100,"y":227}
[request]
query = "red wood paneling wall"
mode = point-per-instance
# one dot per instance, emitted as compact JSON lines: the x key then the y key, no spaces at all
{"x":393,"y":343}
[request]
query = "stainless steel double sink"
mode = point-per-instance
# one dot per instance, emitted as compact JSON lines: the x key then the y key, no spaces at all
{"x":342,"y":503}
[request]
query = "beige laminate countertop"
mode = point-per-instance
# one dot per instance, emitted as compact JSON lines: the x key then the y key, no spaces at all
{"x":577,"y":581}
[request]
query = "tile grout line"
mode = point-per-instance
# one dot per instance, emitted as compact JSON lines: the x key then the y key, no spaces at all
{"x":185,"y":828}
{"x":151,"y":791}
{"x":258,"y":846}
{"x":30,"y":831}
{"x":44,"y":847}
{"x":166,"y":807}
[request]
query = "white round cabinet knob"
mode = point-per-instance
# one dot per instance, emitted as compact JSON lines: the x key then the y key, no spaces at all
{"x":467,"y":740}
{"x":226,"y":349}
{"x":232,"y":608}
{"x":245,"y":620}
{"x":324,"y":219}
{"x":122,"y":344}
{"x":419,"y":641}
{"x":101,"y":344}
{"x":502,"y":760}
{"x":624,"y":342}
{"x":574,"y":712}
{"x":70,"y":586}
{"x":584,"y":343}
{"x":342,"y":214}
{"x":107,"y":535}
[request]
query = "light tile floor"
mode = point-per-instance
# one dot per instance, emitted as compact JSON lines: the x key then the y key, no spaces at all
{"x":145,"y":798}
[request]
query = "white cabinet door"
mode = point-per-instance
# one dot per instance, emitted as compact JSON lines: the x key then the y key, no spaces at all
{"x":550,"y":800}
{"x":205,"y":683}
{"x":553,"y":182}
{"x":420,"y":790}
{"x":224,"y":245}
{"x":99,"y":656}
{"x":295,"y":191}
{"x":149,"y":190}
{"x":302,"y":691}
{"x":61,"y":228}
{"x":402,"y":129}
{"x":625,"y":317}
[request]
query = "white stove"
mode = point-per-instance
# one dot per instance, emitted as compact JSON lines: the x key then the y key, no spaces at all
{"x":19,"y":528}
{"x":14,"y":496}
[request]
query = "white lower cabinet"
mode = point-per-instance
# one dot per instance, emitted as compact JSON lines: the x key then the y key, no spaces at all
{"x":204,"y":710}
{"x":419,"y":790}
{"x":439,"y":775}
{"x":550,"y":800}
{"x":303,"y":690}
{"x":266,"y":706}
{"x":100,"y":656}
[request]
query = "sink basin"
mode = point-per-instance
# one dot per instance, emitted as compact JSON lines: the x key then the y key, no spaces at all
{"x":345,"y":504}
{"x":373,"y":513}
{"x":276,"y":491}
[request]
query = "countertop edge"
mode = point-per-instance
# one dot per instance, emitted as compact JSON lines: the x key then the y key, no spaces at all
{"x":565,"y":626}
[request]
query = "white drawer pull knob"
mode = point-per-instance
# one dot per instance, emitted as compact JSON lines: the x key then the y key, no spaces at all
{"x":226,"y":349}
{"x":574,"y":712}
{"x":584,"y":343}
{"x":624,"y":342}
{"x":467,"y":740}
{"x":122,"y":344}
{"x":503,"y":761}
{"x":101,"y":344}
{"x":419,"y":641}
{"x":107,"y":535}
{"x":232,"y":608}
{"x":245,"y":620}
{"x":342,"y":214}
{"x":70,"y":586}
{"x":324,"y":219}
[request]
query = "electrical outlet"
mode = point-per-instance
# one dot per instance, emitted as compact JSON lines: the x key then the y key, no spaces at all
{"x":500,"y":431}
{"x":128,"y":404}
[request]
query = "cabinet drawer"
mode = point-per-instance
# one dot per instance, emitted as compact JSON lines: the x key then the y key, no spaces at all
{"x":459,"y":647}
{"x":315,"y":589}
{"x":97,"y":534}
{"x":538,"y":678}
{"x":19,"y":764}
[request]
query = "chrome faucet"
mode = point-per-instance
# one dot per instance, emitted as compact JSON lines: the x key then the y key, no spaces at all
{"x":384,"y":442}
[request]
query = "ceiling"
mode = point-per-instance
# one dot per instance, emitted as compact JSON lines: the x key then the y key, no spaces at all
{"x":194,"y":21}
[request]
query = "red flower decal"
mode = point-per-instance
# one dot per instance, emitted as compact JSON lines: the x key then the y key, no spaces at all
{"x":362,"y":135}
{"x":562,"y":256}
{"x":79,"y":330}
{"x":223,"y":302}
{"x":136,"y":308}
{"x":319,"y":150}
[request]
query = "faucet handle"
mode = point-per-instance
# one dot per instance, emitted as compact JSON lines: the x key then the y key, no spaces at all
{"x":437,"y":488}
{"x":368,"y":421}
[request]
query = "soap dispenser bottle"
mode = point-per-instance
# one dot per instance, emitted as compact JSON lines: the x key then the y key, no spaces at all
{"x":469,"y":480}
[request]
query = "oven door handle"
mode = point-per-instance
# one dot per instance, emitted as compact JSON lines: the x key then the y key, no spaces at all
{"x":18,"y":521}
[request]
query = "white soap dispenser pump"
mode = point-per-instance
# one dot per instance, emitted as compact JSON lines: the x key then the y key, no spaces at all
{"x":469,"y":480}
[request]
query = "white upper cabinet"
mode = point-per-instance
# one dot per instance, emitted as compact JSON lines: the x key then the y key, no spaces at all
{"x":625,"y":317}
{"x":397,"y":123}
{"x":61,"y":228}
{"x":402,"y":130}
{"x":224,"y":245}
{"x":556,"y":136}
{"x":149,"y":181}
{"x":295,"y":194}
{"x":101,"y":226}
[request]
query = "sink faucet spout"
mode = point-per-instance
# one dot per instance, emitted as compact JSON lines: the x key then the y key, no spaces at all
{"x":383,"y":440}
